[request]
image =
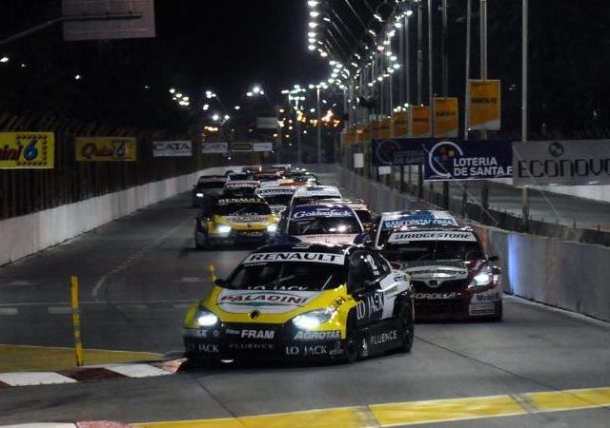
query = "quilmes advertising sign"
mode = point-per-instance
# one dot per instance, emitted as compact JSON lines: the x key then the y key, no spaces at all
{"x":27,"y":150}
{"x":467,"y":160}
{"x":106,"y":149}
{"x":570,"y":162}
{"x":399,"y":151}
{"x":182,"y":148}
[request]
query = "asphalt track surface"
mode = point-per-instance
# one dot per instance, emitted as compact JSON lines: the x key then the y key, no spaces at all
{"x":540,"y":367}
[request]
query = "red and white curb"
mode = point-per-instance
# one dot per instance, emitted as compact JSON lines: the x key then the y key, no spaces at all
{"x":89,"y":373}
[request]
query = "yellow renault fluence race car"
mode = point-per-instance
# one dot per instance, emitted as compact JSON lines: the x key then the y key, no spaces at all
{"x":303,"y":301}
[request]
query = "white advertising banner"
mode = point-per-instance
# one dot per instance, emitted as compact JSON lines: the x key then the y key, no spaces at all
{"x":181,"y":148}
{"x":219,"y":147}
{"x":262,"y":147}
{"x":569,"y":162}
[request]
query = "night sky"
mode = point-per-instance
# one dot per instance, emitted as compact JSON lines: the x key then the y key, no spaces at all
{"x":229,"y":45}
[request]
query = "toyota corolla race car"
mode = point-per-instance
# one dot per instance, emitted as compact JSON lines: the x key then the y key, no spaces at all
{"x":231,"y":220}
{"x":452,"y":276}
{"x":300,"y":301}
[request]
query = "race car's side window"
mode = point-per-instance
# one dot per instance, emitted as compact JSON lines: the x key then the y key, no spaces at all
{"x":364,"y":271}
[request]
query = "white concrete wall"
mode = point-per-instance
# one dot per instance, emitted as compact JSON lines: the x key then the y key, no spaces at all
{"x":566,"y":275}
{"x":25,"y":235}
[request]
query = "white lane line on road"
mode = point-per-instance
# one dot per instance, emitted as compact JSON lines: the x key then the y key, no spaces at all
{"x":9,"y":311}
{"x":99,"y":284}
{"x":59,"y":310}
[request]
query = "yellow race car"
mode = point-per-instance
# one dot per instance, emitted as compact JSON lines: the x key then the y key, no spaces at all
{"x":234,"y":219}
{"x":303,"y":301}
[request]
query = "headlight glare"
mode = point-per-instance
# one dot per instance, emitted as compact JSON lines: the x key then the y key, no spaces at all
{"x":223,"y":228}
{"x":199,"y":194}
{"x":313,"y":319}
{"x":483,"y":278}
{"x":206,"y":318}
{"x":272,"y":228}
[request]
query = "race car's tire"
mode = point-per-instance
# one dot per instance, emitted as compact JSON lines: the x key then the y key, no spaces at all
{"x":352,"y":344}
{"x":499,"y":313}
{"x":201,"y":241}
{"x":408,"y":331}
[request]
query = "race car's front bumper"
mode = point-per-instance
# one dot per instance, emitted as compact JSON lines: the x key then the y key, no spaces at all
{"x":458,"y":305}
{"x":235,"y":341}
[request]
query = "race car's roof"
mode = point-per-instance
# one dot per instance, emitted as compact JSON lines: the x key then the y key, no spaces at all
{"x":326,"y":190}
{"x":299,"y":252}
{"x":462,"y":234}
{"x":322,"y":210}
{"x":416,"y":218}
{"x":238,"y":200}
{"x":274,"y":190}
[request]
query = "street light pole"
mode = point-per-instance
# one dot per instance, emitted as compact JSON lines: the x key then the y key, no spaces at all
{"x":319,"y":124}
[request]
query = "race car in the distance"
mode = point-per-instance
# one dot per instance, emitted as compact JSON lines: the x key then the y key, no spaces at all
{"x":300,"y":301}
{"x":452,"y":276}
{"x":321,"y":223}
{"x":232,"y":220}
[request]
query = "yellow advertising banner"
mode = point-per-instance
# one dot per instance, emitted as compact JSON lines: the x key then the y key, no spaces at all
{"x":374,"y":130}
{"x":400,"y":124}
{"x":484,"y":104}
{"x":446,"y":117}
{"x":27,"y":150}
{"x":420,"y":121}
{"x":106,"y":149}
{"x":349,"y":137}
{"x":385,"y":129}
{"x":363,"y":133}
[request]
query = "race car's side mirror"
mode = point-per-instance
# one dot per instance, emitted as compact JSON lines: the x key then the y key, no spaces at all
{"x":220,"y":282}
{"x":494,"y":258}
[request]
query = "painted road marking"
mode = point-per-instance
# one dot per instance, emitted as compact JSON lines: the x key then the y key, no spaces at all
{"x":9,"y":311}
{"x":137,"y":370}
{"x":23,"y":379}
{"x":412,"y":413}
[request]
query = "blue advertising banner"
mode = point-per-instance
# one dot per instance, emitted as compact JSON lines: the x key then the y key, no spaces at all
{"x":399,"y":151}
{"x":467,"y":160}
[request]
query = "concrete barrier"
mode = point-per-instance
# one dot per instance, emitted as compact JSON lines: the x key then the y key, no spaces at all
{"x":567,"y":275}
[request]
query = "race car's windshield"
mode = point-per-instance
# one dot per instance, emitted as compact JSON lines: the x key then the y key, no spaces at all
{"x":210,"y":184}
{"x":433,"y":250}
{"x":278,"y":199}
{"x":292,"y":276}
{"x":313,"y":199}
{"x":324,"y":226}
{"x":243,"y":209}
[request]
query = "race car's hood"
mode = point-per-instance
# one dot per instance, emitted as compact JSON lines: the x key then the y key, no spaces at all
{"x":256,"y":221}
{"x":263,"y":301}
{"x":338,"y":238}
{"x":435,"y":273}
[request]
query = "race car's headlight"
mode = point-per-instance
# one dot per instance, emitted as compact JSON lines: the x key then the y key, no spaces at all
{"x":483,"y":278}
{"x":199,"y":194}
{"x":205,"y":318}
{"x":312,"y":320}
{"x":272,"y":228}
{"x":223,"y":228}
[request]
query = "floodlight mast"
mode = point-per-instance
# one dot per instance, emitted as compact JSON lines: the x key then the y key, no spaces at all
{"x":71,"y":18}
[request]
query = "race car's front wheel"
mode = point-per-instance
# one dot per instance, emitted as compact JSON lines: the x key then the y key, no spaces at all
{"x":201,"y":241}
{"x":407,"y":324}
{"x":351,"y":346}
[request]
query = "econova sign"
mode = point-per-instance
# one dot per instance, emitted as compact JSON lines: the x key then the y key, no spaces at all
{"x":569,"y":162}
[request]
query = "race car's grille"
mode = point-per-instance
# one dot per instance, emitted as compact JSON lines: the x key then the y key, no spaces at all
{"x":439,"y":308}
{"x":446,"y":286}
{"x":448,"y":263}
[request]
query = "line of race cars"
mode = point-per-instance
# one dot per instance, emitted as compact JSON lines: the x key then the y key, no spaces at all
{"x":326,"y":280}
